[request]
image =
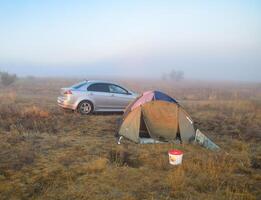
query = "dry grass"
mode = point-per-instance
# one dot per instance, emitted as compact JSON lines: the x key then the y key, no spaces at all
{"x":46,"y":153}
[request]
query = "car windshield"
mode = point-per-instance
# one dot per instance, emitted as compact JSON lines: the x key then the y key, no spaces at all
{"x":78,"y":85}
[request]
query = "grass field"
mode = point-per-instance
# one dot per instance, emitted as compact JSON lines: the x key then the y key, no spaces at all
{"x":48,"y":153}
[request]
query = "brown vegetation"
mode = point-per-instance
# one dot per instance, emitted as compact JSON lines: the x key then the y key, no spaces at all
{"x":46,"y":153}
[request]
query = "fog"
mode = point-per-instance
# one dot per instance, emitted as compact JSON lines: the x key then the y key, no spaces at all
{"x":206,"y":40}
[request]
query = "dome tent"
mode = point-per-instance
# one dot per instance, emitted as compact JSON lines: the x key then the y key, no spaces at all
{"x":156,"y":116}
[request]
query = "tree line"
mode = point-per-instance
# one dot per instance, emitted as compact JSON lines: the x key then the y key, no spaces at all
{"x":173,"y":75}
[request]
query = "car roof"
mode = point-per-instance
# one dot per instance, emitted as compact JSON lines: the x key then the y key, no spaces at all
{"x":101,"y":81}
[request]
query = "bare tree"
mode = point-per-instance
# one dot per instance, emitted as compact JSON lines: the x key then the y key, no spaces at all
{"x":180,"y":75}
{"x":176,"y":75}
{"x":7,"y":79}
{"x":164,"y":77}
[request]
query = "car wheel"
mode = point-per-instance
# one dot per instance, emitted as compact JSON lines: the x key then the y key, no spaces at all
{"x":85,"y":108}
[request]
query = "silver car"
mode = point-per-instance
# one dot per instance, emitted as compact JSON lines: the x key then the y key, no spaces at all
{"x":93,"y":96}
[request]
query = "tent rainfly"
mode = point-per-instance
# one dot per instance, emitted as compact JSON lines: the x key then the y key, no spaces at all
{"x":156,"y":117}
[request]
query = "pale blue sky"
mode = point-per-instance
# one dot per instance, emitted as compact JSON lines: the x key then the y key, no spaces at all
{"x":218,"y":40}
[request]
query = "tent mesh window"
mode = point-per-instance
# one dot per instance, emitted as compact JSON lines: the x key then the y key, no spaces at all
{"x":144,"y":133}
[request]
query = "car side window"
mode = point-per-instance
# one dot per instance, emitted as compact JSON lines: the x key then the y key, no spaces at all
{"x":117,"y":89}
{"x":98,"y":87}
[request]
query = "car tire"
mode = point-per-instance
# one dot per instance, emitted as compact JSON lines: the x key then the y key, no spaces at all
{"x":85,"y":108}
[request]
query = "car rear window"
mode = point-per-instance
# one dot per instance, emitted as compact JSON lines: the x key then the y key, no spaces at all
{"x":98,"y":87}
{"x":79,"y":85}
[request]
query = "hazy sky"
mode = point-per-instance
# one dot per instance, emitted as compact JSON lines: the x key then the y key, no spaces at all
{"x":206,"y":39}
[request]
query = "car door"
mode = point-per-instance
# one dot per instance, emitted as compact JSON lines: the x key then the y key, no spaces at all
{"x":99,"y":93}
{"x":120,"y":96}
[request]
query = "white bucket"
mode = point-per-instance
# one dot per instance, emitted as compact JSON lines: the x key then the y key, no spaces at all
{"x":175,"y":157}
